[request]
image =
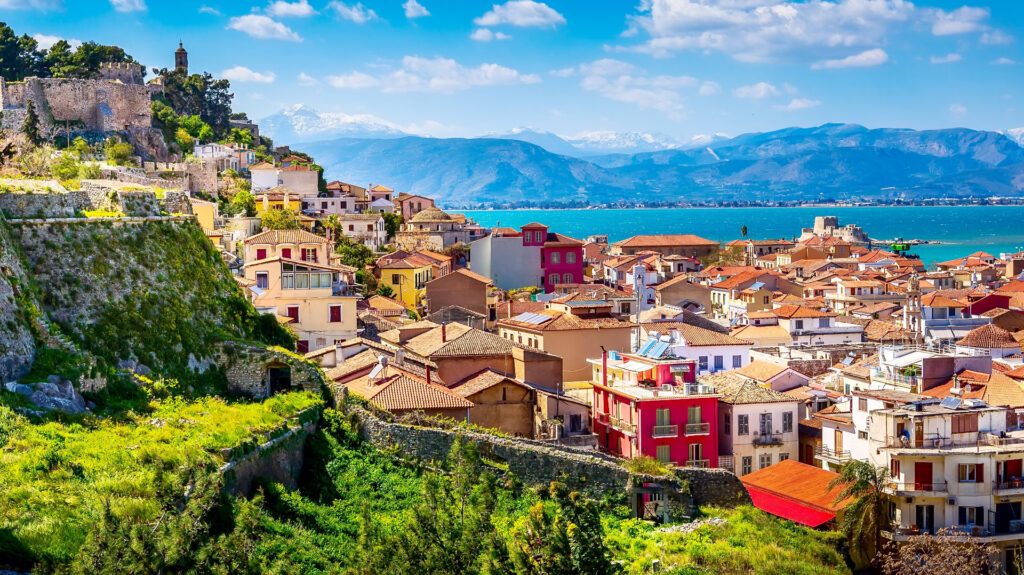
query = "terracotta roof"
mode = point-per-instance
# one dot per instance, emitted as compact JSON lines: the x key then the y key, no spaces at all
{"x":800,"y":483}
{"x":381,"y":303}
{"x":262,"y":166}
{"x":738,"y":390}
{"x":474,"y":343}
{"x":481,"y":380}
{"x":988,"y":336}
{"x":1009,"y":319}
{"x":996,"y":389}
{"x":555,"y":239}
{"x":695,"y":336}
{"x":881,"y":331}
{"x":860,"y":368}
{"x":358,"y":362}
{"x":756,"y":333}
{"x":938,"y":299}
{"x":1014,"y":286}
{"x":665,"y":240}
{"x":381,"y":188}
{"x":566,"y":322}
{"x":399,"y":392}
{"x":683,"y":317}
{"x":410,"y":262}
{"x":297,"y":168}
{"x":434,"y":256}
{"x":761,"y":370}
{"x":516,"y":307}
{"x":798,"y":312}
{"x":286,"y":237}
{"x":592,"y":291}
{"x":473,"y":276}
{"x":739,"y":279}
{"x":723,"y":271}
{"x":429,"y":342}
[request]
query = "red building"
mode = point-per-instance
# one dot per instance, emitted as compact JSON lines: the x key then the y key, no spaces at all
{"x":652,"y":406}
{"x":561,"y":257}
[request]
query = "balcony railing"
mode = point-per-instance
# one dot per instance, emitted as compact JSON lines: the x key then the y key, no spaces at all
{"x":935,"y":441}
{"x":726,"y":462}
{"x":665,"y":431}
{"x":823,"y":452}
{"x":701,"y":463}
{"x":698,"y":428}
{"x":768,"y":438}
{"x":622,"y":425}
{"x":935,"y":486}
{"x":1006,"y":484}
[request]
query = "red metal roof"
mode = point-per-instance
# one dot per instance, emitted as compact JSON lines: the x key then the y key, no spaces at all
{"x":789,"y":509}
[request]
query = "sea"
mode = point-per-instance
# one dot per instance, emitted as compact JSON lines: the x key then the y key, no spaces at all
{"x":957,"y":230}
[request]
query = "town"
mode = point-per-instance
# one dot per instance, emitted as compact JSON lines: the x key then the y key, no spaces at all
{"x":803,"y":371}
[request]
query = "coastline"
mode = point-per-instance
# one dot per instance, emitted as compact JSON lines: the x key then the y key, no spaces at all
{"x":723,"y":207}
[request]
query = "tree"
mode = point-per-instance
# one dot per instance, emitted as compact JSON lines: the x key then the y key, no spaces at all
{"x":119,"y":153}
{"x":66,"y":167}
{"x":198,"y":95}
{"x":353,"y":253}
{"x":243,"y":203}
{"x":80,"y":147}
{"x":392,"y":223}
{"x":743,"y":231}
{"x":386,"y":291}
{"x":184,"y":140}
{"x":196,"y":127}
{"x":19,"y":55}
{"x":84,"y":62}
{"x":939,"y":554}
{"x":279,"y":220}
{"x":30,"y":127}
{"x":867,"y":514}
{"x":239,"y":137}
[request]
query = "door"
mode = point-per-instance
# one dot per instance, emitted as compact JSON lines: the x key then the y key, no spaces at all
{"x":696,"y":452}
{"x":839,"y":441}
{"x":922,"y":475}
{"x":918,"y":434}
{"x":1006,"y":512}
{"x":808,"y":455}
{"x":925,"y":518}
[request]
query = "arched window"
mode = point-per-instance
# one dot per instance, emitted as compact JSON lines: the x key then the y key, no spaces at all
{"x":567,"y":278}
{"x":553,"y":279}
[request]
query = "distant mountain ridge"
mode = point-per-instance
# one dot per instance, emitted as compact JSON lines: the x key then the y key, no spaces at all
{"x":832,"y":161}
{"x":299,"y":124}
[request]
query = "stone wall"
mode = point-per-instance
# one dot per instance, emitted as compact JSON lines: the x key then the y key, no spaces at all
{"x":17,"y":205}
{"x":279,"y":459}
{"x":177,"y":203}
{"x":811,"y":367}
{"x":119,"y":197}
{"x":17,"y":344}
{"x":81,"y":105}
{"x":247,"y":368}
{"x":716,"y":487}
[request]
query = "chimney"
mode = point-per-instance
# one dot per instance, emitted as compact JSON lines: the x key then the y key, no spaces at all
{"x":604,"y":367}
{"x":444,"y":332}
{"x":428,"y":375}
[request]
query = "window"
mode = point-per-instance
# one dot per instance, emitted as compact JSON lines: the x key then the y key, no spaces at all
{"x":286,"y":253}
{"x":743,"y":424}
{"x":970,"y":473}
{"x":702,"y":363}
{"x":783,"y":456}
{"x":262,"y":280}
{"x":665,"y":453}
{"x":965,"y":423}
{"x":822,"y":322}
{"x":538,"y":237}
{"x":766,"y":424}
{"x":261,"y":254}
{"x":323,"y":205}
{"x":972,"y":515}
{"x":727,"y":423}
{"x":661,"y":417}
{"x":894,"y":468}
{"x":396,"y":279}
{"x":351,"y":227}
{"x":764,"y":460}
{"x":693,"y":414}
{"x":737,"y":361}
{"x":862,"y":435}
{"x":570,"y":258}
{"x":309,"y":254}
{"x":302,"y":346}
{"x":556,"y":258}
{"x":862,"y":404}
{"x":798,"y":324}
{"x":567,"y":278}
{"x":293,"y":312}
{"x":696,"y":452}
{"x":553,"y":279}
{"x":335,"y":311}
{"x":747,"y":465}
{"x":787,"y":421}
{"x":719,"y":363}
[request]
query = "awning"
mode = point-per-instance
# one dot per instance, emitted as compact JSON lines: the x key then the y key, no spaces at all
{"x":788,"y":509}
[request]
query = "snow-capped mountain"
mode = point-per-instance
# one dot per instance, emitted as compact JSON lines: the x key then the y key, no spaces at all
{"x":549,"y":141}
{"x":705,"y":140}
{"x":300,"y":123}
{"x":1017,"y":135}
{"x":601,"y":142}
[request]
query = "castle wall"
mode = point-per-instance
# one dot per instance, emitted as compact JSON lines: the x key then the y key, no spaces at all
{"x":91,"y":105}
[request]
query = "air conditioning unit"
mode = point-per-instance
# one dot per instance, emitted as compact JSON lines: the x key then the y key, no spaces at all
{"x":951,"y":501}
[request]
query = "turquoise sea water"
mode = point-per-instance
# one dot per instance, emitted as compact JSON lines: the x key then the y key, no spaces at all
{"x":962,"y":229}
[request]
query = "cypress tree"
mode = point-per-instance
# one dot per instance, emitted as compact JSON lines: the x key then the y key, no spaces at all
{"x":30,"y":128}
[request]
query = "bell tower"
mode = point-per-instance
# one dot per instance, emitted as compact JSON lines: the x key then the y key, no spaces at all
{"x":181,"y":58}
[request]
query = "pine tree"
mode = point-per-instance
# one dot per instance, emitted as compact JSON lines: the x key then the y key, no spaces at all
{"x":30,"y":127}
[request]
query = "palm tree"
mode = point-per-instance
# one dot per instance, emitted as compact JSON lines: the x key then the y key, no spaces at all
{"x":333,"y":224}
{"x":867,"y":514}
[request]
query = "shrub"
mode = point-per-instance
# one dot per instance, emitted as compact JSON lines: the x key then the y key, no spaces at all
{"x":645,"y":465}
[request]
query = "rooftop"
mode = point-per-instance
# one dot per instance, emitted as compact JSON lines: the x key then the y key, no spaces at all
{"x":665,"y":240}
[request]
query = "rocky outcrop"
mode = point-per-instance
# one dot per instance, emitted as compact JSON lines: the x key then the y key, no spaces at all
{"x":18,"y":311}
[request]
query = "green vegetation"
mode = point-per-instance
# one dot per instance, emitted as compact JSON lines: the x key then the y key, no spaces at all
{"x":57,"y":480}
{"x":284,"y":219}
{"x":30,"y":127}
{"x":867,"y":514}
{"x":200,"y":95}
{"x":392,"y":223}
{"x":20,"y":57}
{"x":645,"y":465}
{"x":119,"y":153}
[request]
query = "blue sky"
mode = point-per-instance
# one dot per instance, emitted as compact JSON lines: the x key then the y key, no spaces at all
{"x":678,"y":67}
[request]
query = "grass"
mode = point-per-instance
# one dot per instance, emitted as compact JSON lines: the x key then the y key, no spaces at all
{"x":55,"y":477}
{"x":748,"y":541}
{"x":645,"y":465}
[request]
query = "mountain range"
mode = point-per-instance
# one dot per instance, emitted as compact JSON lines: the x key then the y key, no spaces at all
{"x":529,"y":167}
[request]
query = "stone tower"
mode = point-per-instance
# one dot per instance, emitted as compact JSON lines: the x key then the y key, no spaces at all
{"x":181,"y":58}
{"x":912,"y":309}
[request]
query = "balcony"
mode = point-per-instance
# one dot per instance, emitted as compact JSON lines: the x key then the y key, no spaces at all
{"x":829,"y":454}
{"x":726,"y":462}
{"x":1008,"y":487}
{"x":665,"y":431}
{"x":768,"y":438}
{"x":700,"y":463}
{"x":698,"y":429}
{"x":934,"y":441}
{"x":916,"y":488}
{"x":622,"y":425}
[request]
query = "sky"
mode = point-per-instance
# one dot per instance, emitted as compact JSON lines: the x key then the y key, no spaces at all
{"x":674,"y":67}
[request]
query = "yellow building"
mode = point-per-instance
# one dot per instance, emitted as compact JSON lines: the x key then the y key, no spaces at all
{"x":278,"y":198}
{"x":206,"y":213}
{"x":407,"y":277}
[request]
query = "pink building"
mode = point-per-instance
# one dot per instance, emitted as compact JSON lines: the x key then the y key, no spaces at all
{"x":651,"y":405}
{"x":561,"y":257}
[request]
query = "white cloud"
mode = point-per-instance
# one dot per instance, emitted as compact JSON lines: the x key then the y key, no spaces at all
{"x":128,"y":5}
{"x":797,"y":104}
{"x":46,"y":41}
{"x":865,"y":59}
{"x":709,"y":88}
{"x":758,"y":91}
{"x":441,"y":75}
{"x":606,"y":67}
{"x":1003,"y":61}
{"x":947,"y":59}
{"x":486,"y":35}
{"x":996,"y":38}
{"x":243,"y":74}
{"x":563,"y":72}
{"x":353,"y":12}
{"x":263,"y":27}
{"x":963,"y":20}
{"x":957,"y":109}
{"x":766,"y":30}
{"x":40,"y":5}
{"x":522,"y":13}
{"x":209,"y":10}
{"x":623,"y":82}
{"x":283,"y":9}
{"x":414,"y":9}
{"x":353,"y":80}
{"x":307,"y":80}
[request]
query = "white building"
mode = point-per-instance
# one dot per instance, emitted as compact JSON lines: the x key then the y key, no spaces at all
{"x":365,"y":228}
{"x":712,"y":350}
{"x":297,"y":178}
{"x":758,"y":426}
{"x":808,"y":326}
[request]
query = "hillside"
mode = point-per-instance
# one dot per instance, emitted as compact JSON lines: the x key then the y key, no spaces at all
{"x":832,"y":161}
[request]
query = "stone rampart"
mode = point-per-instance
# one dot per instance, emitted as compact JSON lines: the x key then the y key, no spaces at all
{"x":260,"y":371}
{"x":18,"y":205}
{"x":77,"y":104}
{"x":716,"y":487}
{"x":278,"y":458}
{"x":17,"y":342}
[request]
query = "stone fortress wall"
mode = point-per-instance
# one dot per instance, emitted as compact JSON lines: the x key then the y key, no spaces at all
{"x":99,"y":105}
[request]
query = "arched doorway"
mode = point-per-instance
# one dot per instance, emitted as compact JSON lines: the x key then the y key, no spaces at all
{"x":279,"y":377}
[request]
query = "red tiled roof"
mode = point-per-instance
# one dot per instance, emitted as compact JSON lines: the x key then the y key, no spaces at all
{"x":988,"y":336}
{"x":665,"y":240}
{"x":790,"y":311}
